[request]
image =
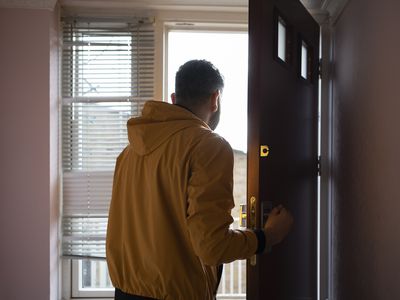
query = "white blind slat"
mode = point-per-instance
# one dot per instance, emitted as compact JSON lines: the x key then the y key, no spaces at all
{"x":107,"y":75}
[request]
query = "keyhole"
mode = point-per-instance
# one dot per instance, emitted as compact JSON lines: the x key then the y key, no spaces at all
{"x":264,"y":151}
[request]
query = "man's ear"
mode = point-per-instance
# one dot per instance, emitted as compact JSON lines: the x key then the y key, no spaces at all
{"x":214,"y":100}
{"x":173,"y":98}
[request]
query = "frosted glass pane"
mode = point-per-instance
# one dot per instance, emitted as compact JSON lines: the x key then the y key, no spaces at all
{"x":281,"y":40}
{"x":304,"y":61}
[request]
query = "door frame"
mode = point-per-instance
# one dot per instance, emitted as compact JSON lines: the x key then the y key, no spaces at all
{"x":326,"y":140}
{"x":326,"y":15}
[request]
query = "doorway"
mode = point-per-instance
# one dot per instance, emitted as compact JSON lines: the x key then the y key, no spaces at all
{"x":228,"y":51}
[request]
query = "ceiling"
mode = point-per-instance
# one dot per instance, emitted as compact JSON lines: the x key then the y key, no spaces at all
{"x":316,"y":7}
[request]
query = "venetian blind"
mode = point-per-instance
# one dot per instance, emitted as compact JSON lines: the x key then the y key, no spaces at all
{"x":107,"y":75}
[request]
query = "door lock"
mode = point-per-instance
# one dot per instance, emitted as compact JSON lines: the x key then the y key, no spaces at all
{"x":264,"y":150}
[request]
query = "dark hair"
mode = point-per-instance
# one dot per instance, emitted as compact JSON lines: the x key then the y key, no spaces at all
{"x":196,"y":80}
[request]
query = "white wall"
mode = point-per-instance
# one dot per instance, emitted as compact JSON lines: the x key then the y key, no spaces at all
{"x":28,"y":154}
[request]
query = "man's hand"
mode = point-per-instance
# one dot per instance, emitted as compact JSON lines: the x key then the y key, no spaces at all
{"x":277,"y":226}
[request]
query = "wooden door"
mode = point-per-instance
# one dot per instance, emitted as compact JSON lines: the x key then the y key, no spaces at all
{"x":283,"y":144}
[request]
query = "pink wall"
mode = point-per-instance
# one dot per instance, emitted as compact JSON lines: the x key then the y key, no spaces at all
{"x":366,"y":170}
{"x":28,"y":154}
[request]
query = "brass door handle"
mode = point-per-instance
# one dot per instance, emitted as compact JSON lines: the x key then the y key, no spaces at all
{"x":253,"y":223}
{"x":253,"y":203}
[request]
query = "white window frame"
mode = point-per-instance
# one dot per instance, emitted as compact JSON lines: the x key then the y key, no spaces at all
{"x":165,"y":21}
{"x":77,"y":292}
{"x":71,"y":277}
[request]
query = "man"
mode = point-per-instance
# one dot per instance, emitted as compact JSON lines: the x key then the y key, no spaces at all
{"x":168,"y":229}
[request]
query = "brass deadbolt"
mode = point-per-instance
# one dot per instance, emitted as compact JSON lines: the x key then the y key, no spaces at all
{"x":264,"y":150}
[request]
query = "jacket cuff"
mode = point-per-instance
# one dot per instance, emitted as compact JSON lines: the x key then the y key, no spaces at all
{"x":260,"y":240}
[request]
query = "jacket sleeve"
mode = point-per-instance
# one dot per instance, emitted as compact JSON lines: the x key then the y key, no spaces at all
{"x":210,"y":201}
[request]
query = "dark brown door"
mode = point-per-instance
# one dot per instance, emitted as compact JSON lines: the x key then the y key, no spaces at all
{"x":283,"y":144}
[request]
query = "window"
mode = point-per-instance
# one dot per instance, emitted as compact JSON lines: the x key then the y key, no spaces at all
{"x":304,"y":60}
{"x":282,"y":39}
{"x":107,"y":75}
{"x":91,"y":279}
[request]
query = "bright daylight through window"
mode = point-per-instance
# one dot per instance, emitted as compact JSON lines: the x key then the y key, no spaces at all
{"x":229,"y":53}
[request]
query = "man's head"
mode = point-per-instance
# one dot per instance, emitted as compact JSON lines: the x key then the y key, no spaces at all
{"x":198,"y":87}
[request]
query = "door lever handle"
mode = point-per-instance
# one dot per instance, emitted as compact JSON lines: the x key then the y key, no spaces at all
{"x":253,"y":223}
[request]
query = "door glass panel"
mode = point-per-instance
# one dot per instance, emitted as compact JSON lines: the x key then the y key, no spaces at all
{"x":282,"y":39}
{"x":304,"y":60}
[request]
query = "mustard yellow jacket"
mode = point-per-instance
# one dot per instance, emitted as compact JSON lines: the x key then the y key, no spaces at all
{"x":169,"y":216}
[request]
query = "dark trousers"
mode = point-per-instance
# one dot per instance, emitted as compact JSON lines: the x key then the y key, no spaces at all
{"x":120,"y":295}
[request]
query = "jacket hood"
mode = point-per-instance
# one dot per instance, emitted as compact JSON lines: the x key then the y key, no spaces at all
{"x":159,"y":121}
